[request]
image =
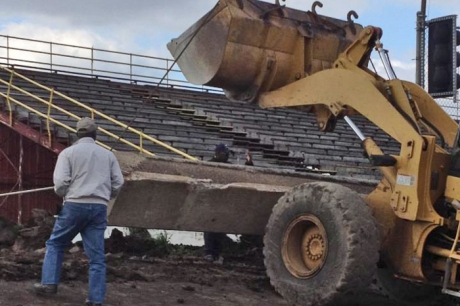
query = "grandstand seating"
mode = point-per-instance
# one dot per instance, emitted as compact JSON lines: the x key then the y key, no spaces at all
{"x":194,"y":122}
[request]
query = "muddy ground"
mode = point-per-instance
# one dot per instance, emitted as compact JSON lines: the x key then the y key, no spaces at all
{"x":145,"y":271}
{"x":149,"y":281}
{"x":140,"y":271}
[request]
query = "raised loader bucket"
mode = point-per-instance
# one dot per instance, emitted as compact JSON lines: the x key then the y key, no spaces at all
{"x":248,"y":47}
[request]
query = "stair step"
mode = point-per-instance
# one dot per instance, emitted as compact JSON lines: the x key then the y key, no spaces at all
{"x":233,"y":133}
{"x":205,"y":121}
{"x":226,"y":128}
{"x":211,"y":128}
{"x":174,"y":109}
{"x":291,"y":158}
{"x":187,"y":112}
{"x":157,"y":100}
{"x":276,"y":152}
{"x":200,"y":117}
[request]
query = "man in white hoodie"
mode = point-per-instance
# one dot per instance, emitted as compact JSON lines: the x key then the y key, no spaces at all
{"x":87,"y":176}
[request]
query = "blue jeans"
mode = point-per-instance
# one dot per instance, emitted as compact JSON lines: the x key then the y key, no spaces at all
{"x":213,"y":243}
{"x":90,"y":220}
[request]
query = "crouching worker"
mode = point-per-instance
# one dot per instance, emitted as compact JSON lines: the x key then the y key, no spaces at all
{"x":213,"y":241}
{"x":87,"y":176}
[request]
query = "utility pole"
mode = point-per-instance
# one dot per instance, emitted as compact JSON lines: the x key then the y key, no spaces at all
{"x":420,"y":44}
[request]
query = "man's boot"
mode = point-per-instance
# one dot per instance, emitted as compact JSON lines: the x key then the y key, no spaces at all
{"x":45,"y":289}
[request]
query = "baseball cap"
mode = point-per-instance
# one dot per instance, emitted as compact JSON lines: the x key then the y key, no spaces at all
{"x":221,"y":147}
{"x":86,"y":125}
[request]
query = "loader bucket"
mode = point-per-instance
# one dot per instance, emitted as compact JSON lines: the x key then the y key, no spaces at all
{"x":248,"y":47}
{"x":174,"y":194}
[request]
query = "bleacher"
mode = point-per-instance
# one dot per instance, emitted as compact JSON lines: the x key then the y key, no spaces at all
{"x":194,"y":122}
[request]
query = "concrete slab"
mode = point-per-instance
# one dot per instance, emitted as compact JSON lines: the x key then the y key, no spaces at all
{"x":175,"y":194}
{"x":160,"y":201}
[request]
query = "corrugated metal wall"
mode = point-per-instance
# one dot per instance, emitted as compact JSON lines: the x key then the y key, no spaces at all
{"x":35,"y":171}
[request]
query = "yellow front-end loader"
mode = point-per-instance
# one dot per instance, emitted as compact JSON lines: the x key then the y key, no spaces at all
{"x":324,"y":244}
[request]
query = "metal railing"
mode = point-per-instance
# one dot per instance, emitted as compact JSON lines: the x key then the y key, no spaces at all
{"x":122,"y":66}
{"x":92,"y":113}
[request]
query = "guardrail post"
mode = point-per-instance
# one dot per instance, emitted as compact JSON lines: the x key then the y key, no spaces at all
{"x":141,"y":142}
{"x":8,"y":50}
{"x":130,"y":67}
{"x":51,"y":57}
{"x":92,"y":61}
{"x":167,"y":72}
{"x":49,"y":116}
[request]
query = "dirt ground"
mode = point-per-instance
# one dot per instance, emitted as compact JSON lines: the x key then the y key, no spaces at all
{"x":145,"y":271}
{"x":140,"y":271}
{"x":158,"y":282}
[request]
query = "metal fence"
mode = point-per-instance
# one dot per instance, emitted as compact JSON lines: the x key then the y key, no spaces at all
{"x":121,"y":66}
{"x":129,"y":67}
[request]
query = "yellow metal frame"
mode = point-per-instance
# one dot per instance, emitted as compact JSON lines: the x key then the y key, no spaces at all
{"x":92,"y":112}
{"x":452,"y":188}
{"x":358,"y":90}
{"x":418,"y":178}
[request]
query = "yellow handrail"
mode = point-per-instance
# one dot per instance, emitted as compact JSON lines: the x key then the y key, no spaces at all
{"x":70,"y":115}
{"x":93,"y":112}
{"x":51,"y":119}
{"x":49,"y":115}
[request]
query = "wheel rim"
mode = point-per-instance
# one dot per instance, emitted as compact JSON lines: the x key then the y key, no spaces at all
{"x":304,"y":248}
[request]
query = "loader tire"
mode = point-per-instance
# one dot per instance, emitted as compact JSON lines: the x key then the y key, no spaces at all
{"x":321,"y":245}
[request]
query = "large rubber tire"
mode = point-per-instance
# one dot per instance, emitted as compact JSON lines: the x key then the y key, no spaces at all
{"x":352,"y":247}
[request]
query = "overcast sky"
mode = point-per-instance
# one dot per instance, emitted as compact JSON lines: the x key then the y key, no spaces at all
{"x":145,"y":27}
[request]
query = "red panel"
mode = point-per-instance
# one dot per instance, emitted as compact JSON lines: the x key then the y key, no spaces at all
{"x":31,"y":133}
{"x":37,"y":172}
